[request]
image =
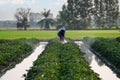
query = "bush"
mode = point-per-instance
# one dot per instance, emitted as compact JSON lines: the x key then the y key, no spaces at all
{"x":61,"y":62}
{"x":4,"y":41}
{"x":118,"y":39}
{"x":13,"y":50}
{"x":110,"y":49}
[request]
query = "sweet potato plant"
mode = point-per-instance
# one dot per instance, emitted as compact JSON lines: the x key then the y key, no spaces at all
{"x":13,"y":51}
{"x":108,"y":50}
{"x":61,"y":62}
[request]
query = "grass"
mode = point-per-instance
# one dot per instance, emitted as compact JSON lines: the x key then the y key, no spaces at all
{"x":42,"y":34}
{"x":93,"y":33}
{"x":26,"y":34}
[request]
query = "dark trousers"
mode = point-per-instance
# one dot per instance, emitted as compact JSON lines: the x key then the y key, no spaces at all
{"x":61,"y":34}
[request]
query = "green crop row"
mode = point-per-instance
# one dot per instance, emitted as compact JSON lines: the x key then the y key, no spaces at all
{"x":110,"y":49}
{"x":13,"y":51}
{"x":118,"y":39}
{"x":61,"y":62}
{"x":109,"y":52}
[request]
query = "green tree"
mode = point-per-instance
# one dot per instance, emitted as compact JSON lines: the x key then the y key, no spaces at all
{"x":47,"y":21}
{"x":22,"y":17}
{"x":79,"y":11}
{"x":99,"y":13}
{"x":112,"y":12}
{"x":84,"y":10}
{"x":78,"y":14}
{"x":74,"y":19}
{"x":63,"y":17}
{"x":106,"y":13}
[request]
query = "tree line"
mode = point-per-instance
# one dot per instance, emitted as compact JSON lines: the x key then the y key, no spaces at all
{"x":22,"y":17}
{"x":77,"y":14}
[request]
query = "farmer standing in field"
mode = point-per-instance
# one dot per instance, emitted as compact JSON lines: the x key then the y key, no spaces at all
{"x":61,"y":34}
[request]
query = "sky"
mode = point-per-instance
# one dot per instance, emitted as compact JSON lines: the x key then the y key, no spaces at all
{"x":8,"y":7}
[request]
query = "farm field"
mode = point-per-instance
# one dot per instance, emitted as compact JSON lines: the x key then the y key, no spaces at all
{"x":61,"y":62}
{"x":14,"y":51}
{"x":107,"y":50}
{"x":43,"y":34}
{"x":63,"y":40}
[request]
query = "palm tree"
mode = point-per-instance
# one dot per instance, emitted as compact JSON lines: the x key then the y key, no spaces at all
{"x":46,"y":22}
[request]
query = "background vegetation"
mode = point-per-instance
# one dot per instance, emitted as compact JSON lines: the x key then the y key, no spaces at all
{"x":79,"y":14}
{"x":13,"y":34}
{"x":76,"y":14}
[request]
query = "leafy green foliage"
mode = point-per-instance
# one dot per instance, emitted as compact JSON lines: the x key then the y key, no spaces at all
{"x":77,"y":14}
{"x":80,"y":13}
{"x":63,"y":18}
{"x":118,"y":39}
{"x":110,"y":49}
{"x":106,"y":15}
{"x":61,"y":62}
{"x":13,"y":50}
